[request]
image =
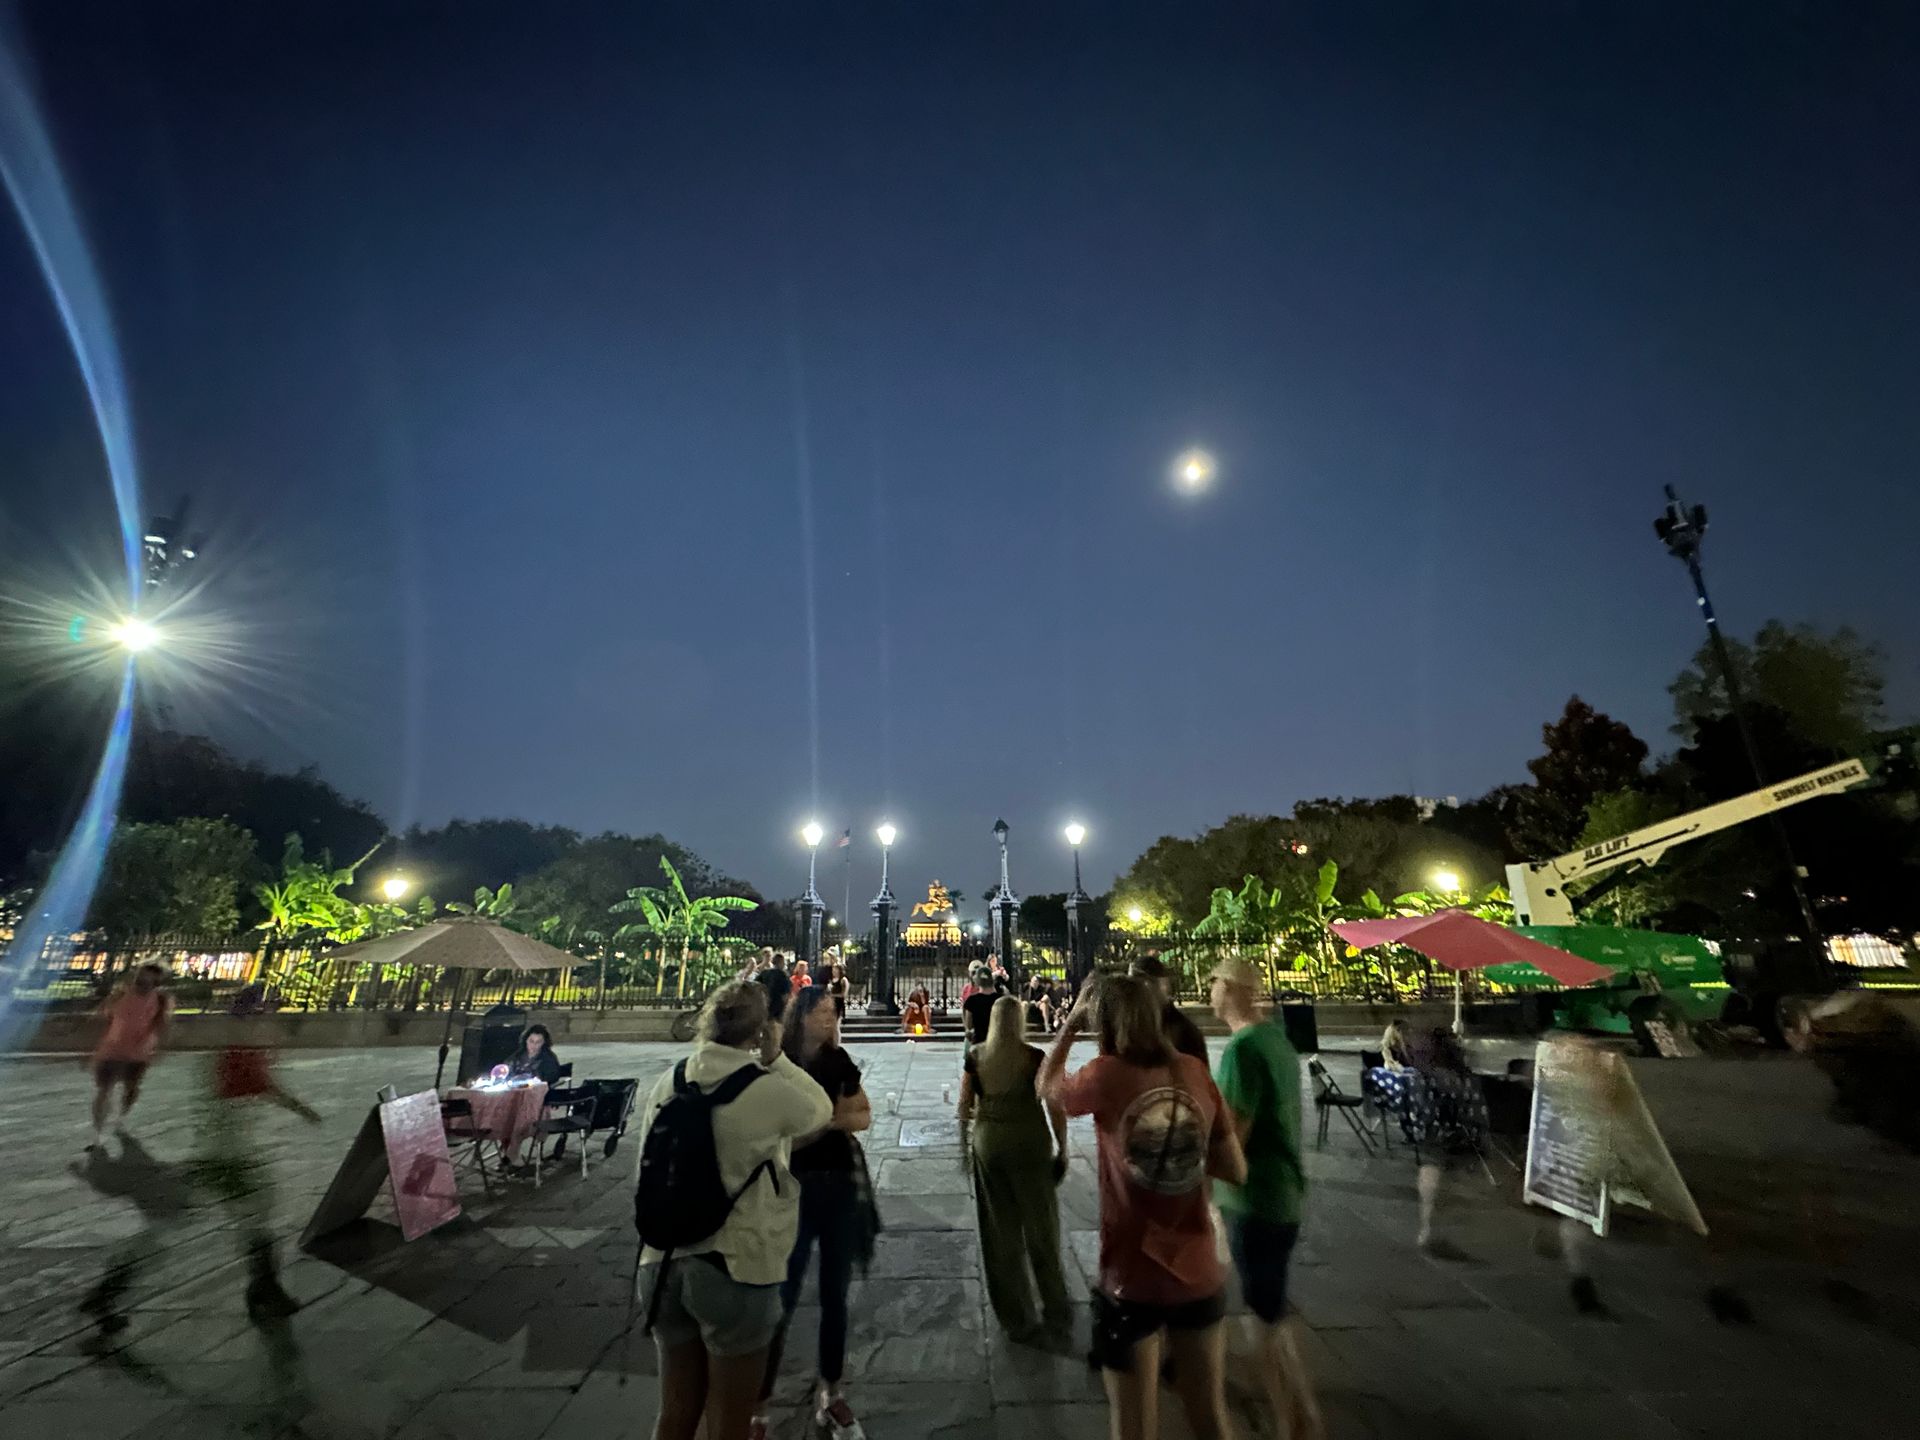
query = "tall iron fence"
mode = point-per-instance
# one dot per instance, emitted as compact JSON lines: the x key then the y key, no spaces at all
{"x":208,"y":970}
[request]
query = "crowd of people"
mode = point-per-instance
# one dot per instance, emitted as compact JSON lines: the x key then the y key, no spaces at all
{"x":1191,"y":1162}
{"x":755,"y":1137}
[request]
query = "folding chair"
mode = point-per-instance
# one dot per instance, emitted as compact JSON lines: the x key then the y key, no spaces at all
{"x":612,"y":1108}
{"x":1329,"y":1097}
{"x":465,"y":1140}
{"x":575,"y":1107}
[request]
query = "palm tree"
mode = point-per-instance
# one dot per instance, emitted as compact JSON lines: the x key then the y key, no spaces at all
{"x":672,"y":916}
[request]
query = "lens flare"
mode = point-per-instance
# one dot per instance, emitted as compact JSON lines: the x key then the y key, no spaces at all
{"x":133,"y":634}
{"x":38,"y":191}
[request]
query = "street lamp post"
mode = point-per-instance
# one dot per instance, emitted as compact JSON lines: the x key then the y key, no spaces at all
{"x":1681,"y":530}
{"x":1004,"y":914}
{"x":1079,"y":917}
{"x":395,"y":888}
{"x":880,"y":999}
{"x":811,"y":907}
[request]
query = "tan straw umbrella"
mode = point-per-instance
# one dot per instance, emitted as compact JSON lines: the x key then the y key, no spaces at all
{"x":465,"y":942}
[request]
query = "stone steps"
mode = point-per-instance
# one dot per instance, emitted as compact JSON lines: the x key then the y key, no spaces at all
{"x":880,"y":1029}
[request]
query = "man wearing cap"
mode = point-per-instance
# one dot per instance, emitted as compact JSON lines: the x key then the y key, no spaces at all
{"x":1182,"y":1034}
{"x":1259,"y":1079}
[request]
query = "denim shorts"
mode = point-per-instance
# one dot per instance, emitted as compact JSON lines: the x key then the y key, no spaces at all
{"x":697,"y":1299}
{"x":1262,"y":1250}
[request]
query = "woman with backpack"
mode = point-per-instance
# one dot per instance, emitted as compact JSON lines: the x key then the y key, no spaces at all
{"x":718,"y":1127}
{"x":1017,"y":1148}
{"x":1162,"y":1132}
{"x":837,"y":1210}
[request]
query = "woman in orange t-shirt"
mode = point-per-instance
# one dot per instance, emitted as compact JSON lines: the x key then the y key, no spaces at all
{"x":137,"y":1015}
{"x":1162,"y":1133}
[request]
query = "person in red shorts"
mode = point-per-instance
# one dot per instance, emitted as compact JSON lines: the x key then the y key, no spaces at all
{"x":137,"y":1014}
{"x":1162,"y":1133}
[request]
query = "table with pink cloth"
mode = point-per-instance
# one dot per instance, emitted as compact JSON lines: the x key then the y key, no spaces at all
{"x":508,"y":1113}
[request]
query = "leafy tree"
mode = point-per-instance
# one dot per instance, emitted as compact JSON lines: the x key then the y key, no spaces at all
{"x":1378,"y":845}
{"x":177,"y":879}
{"x":306,"y":897}
{"x":1829,"y":687}
{"x":689,"y":923}
{"x":592,"y":876}
{"x":1588,"y":753}
{"x":464,"y":855}
{"x":170,"y":775}
{"x":1487,"y":823}
{"x":489,"y":904}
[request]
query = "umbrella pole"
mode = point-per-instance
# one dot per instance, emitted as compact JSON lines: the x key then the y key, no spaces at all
{"x":1459,"y":988}
{"x":446,"y":1034}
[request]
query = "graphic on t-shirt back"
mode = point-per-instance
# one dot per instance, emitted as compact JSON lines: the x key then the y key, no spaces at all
{"x":1164,"y":1141}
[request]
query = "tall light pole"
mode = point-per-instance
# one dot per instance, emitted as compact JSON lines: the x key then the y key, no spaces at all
{"x":1682,"y":530}
{"x":880,"y":999}
{"x":1005,"y":911}
{"x":811,"y":907}
{"x":1079,"y":920}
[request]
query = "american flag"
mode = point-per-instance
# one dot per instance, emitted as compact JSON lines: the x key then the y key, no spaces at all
{"x":846,"y":839}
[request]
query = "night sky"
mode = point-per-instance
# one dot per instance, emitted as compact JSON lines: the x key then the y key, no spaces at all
{"x":511,"y":354}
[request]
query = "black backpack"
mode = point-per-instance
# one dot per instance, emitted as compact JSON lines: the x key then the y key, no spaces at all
{"x":681,"y":1199}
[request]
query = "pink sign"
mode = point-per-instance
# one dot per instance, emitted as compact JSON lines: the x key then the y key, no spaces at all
{"x":424,"y":1195}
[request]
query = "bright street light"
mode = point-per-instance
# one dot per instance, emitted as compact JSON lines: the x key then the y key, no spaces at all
{"x":1194,"y":470}
{"x":812,"y":833}
{"x":394,"y":887}
{"x":133,"y":634}
{"x":1446,"y":881}
{"x":886,"y":834}
{"x":1135,"y":914}
{"x":1076,"y":832}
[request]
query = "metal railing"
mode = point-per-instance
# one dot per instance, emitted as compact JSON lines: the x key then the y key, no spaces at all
{"x":208,"y":970}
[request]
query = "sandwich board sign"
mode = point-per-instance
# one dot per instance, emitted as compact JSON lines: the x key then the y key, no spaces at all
{"x":1592,"y":1143}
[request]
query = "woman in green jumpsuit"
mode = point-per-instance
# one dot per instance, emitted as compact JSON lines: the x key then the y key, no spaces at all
{"x":1017,"y":1152}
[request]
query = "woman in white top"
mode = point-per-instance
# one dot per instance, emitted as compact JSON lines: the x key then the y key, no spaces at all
{"x":719,"y":1301}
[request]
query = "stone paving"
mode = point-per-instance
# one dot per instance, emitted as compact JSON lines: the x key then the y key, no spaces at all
{"x":510,"y":1322}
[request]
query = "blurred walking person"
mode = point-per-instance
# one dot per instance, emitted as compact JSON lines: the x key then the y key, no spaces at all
{"x":719,"y":1129}
{"x":1016,"y":1147}
{"x":1162,"y":1133}
{"x":232,"y":1162}
{"x":1259,"y":1080}
{"x":1444,"y":1115}
{"x":137,"y":1016}
{"x":838,"y":1214}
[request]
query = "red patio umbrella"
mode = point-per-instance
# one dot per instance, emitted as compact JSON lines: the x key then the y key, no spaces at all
{"x":1461,"y":941}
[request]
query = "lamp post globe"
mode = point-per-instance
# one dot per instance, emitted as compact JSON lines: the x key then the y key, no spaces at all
{"x":133,"y":634}
{"x":811,"y":907}
{"x":395,"y":887}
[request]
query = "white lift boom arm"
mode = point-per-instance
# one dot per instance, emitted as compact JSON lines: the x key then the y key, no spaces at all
{"x":1538,"y":890}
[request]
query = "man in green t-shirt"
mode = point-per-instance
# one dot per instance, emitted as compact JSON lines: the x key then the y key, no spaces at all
{"x":1259,"y":1079}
